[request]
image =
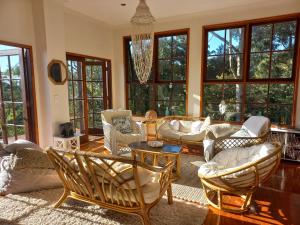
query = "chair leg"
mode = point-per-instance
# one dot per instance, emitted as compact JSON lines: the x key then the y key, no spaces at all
{"x":170,"y":195}
{"x":145,"y":217}
{"x":62,"y":199}
{"x":220,"y":204}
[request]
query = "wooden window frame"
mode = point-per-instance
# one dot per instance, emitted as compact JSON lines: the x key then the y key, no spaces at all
{"x":156,"y":81}
{"x":246,"y":60}
{"x":29,"y":83}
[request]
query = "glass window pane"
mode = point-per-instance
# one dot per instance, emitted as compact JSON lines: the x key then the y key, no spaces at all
{"x":284,"y":35}
{"x":215,"y":68}
{"x":21,"y":132}
{"x":212,"y":93}
{"x":78,"y":89}
{"x":261,"y":38}
{"x":70,"y":89}
{"x":97,"y":120}
{"x":164,"y":91}
{"x":216,"y":42}
{"x":88,"y":72}
{"x":179,"y":92}
{"x":79,"y":108}
{"x":280,"y":114}
{"x":9,"y":116}
{"x":17,"y":90}
{"x":6,"y":88}
{"x":89,"y":89}
{"x":69,"y":62}
{"x":256,"y":110}
{"x":90,"y":121}
{"x":282,"y":64}
{"x":19,"y":113}
{"x":4,"y":68}
{"x":140,"y":98}
{"x":233,"y":66}
{"x":90,"y":105}
{"x":212,"y":110}
{"x":15,"y":67}
{"x":97,"y":89}
{"x":79,"y":125}
{"x":233,"y":93}
{"x":71,"y":108}
{"x":281,"y":93}
{"x":179,"y":46}
{"x":76,"y":69}
{"x":179,"y":69}
{"x":164,"y":47}
{"x":234,"y":40}
{"x":97,"y":73}
{"x":10,"y":133}
{"x":257,"y":93}
{"x":165,"y":69}
{"x":98,"y":105}
{"x":259,"y":65}
{"x":232,"y":112}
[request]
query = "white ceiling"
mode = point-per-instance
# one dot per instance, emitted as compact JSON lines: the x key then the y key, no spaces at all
{"x":111,"y":11}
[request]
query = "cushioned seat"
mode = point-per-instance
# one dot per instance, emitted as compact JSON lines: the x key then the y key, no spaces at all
{"x":239,"y":171}
{"x":182,"y":129}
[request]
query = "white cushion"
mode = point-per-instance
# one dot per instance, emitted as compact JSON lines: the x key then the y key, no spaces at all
{"x":19,"y":145}
{"x":221,"y":130}
{"x":197,"y":136}
{"x":208,"y":149}
{"x":174,"y":124}
{"x":128,"y":138}
{"x":206,"y":123}
{"x":122,"y":124}
{"x":256,"y":125}
{"x":196,"y":126}
{"x":170,"y":133}
{"x":241,"y":133}
{"x":185,"y":126}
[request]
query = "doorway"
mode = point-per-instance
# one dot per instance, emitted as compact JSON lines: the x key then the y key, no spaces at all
{"x":89,"y":87}
{"x":17,"y":103}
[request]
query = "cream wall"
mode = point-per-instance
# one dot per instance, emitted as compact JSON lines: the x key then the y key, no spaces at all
{"x":195,"y":23}
{"x":86,"y":36}
{"x":52,"y":31}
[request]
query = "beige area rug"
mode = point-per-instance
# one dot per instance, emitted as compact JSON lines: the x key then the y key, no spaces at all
{"x":36,"y":208}
{"x":189,"y":187}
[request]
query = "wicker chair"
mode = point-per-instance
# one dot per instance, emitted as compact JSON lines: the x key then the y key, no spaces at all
{"x":242,"y":180}
{"x":114,"y":140}
{"x":160,"y":122}
{"x":112,"y":182}
{"x":230,"y":140}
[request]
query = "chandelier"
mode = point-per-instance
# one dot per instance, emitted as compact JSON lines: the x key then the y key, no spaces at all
{"x":142,"y":38}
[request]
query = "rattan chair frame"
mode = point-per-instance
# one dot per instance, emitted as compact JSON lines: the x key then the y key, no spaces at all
{"x":212,"y":187}
{"x":109,"y":189}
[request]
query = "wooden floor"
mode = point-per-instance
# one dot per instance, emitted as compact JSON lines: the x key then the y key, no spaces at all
{"x":278,"y":200}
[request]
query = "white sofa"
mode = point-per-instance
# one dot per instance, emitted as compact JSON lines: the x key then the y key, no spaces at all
{"x":182,"y":129}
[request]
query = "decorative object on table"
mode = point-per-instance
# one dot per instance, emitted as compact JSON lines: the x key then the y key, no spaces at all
{"x":290,"y":140}
{"x":25,"y":167}
{"x":114,"y":139}
{"x":142,"y":38}
{"x":155,"y":144}
{"x":157,"y":155}
{"x":238,"y":171}
{"x":66,"y":130}
{"x":57,"y":72}
{"x":182,"y":129}
{"x":116,"y":183}
{"x":69,"y":143}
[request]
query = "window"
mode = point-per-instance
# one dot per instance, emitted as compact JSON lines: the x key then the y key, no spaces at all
{"x":250,"y":69}
{"x":17,"y":105}
{"x":166,"y":89}
{"x":89,"y":83}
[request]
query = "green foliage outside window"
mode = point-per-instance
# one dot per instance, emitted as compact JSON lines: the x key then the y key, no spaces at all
{"x":271,"y":58}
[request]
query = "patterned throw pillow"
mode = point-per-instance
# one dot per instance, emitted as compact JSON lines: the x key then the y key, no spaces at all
{"x":122,"y":124}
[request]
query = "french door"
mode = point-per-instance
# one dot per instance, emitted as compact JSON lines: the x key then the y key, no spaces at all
{"x":89,"y":83}
{"x":17,"y":106}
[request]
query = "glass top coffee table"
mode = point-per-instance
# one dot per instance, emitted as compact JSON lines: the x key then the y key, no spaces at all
{"x":166,"y":153}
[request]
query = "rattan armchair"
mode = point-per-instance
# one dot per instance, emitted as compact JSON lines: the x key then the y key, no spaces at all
{"x":111,"y":182}
{"x":241,"y":181}
{"x":231,"y":141}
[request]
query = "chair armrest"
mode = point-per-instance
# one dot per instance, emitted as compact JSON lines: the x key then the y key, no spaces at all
{"x":138,"y":127}
{"x":110,"y":137}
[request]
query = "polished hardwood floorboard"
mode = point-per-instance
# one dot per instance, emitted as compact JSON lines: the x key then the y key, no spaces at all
{"x":277,"y":200}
